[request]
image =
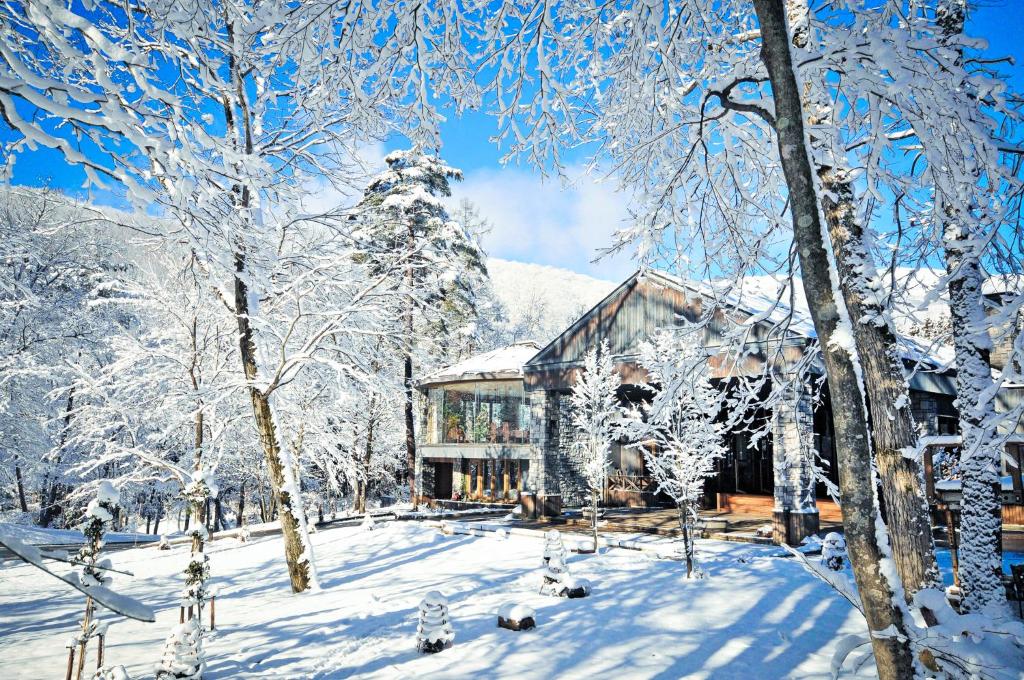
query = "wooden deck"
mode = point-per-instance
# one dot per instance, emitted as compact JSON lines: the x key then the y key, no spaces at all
{"x":719,"y":524}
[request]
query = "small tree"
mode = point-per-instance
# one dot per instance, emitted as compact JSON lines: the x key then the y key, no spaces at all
{"x":680,"y":424}
{"x":594,"y":410}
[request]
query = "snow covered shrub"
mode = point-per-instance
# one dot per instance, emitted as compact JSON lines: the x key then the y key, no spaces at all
{"x":553,"y":546}
{"x":557,"y":580}
{"x":368,"y":523}
{"x":516,"y":616}
{"x":163,"y":544}
{"x":434,"y":632}
{"x":183,"y":657}
{"x":244,"y":535}
{"x":833,"y":551}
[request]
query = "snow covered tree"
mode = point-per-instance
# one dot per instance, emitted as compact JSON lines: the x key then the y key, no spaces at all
{"x":99,"y":515}
{"x":406,"y":230}
{"x":595,"y":411}
{"x":682,"y":439}
{"x":221,"y":116}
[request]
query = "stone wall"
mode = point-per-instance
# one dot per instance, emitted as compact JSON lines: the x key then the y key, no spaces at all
{"x":796,"y":513}
{"x":574,"y":490}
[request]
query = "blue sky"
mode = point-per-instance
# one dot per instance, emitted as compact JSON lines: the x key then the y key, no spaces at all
{"x":542,"y":221}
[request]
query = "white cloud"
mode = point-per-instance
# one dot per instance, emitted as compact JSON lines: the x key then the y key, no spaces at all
{"x":547,"y":223}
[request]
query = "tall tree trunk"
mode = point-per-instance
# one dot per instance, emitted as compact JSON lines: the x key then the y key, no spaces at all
{"x":410,"y":416}
{"x":980,"y":569}
{"x":298,"y":559}
{"x":239,"y":521}
{"x":893,"y":656}
{"x":363,"y":481}
{"x":905,"y":507}
{"x":49,"y":509}
{"x":21,"y":486}
{"x":298,"y":552}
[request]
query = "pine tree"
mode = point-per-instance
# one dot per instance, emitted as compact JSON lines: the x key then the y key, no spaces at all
{"x":438,"y":268}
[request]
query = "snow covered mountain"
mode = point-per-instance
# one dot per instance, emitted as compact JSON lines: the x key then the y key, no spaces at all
{"x":541,"y":301}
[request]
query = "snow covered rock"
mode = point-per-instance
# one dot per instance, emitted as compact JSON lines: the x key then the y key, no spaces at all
{"x":833,"y":551}
{"x":183,"y":657}
{"x":575,"y":587}
{"x":516,"y":616}
{"x":434,"y":632}
{"x":111,"y":673}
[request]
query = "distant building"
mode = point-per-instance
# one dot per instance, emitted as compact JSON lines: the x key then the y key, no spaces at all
{"x":496,"y":425}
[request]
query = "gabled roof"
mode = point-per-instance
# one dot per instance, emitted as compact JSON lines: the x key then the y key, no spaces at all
{"x":503,"y":363}
{"x":766,"y":302}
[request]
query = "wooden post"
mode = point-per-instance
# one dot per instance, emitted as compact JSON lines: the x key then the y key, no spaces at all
{"x":505,"y":478}
{"x":181,"y":614}
{"x":71,"y":661}
{"x":213,"y":615}
{"x":929,"y":474}
{"x":519,"y":476}
{"x":480,"y":478}
{"x":494,"y":480}
{"x":99,"y":653}
{"x":86,"y":621}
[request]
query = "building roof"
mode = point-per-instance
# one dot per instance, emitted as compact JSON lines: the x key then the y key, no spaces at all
{"x":504,"y":363}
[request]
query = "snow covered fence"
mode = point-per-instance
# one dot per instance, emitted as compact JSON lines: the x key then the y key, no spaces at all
{"x":661,"y":551}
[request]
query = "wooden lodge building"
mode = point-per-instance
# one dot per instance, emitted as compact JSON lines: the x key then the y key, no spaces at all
{"x":495,"y":426}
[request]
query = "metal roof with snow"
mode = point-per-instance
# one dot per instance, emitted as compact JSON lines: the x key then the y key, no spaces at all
{"x":504,"y":363}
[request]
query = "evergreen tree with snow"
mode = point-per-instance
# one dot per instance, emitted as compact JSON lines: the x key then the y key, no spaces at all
{"x":437,"y":267}
{"x":595,"y":408}
{"x":680,"y":439}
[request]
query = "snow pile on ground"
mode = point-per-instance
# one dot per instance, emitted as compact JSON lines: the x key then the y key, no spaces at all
{"x":755,"y":616}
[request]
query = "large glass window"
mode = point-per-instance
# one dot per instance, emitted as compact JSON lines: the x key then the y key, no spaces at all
{"x":479,"y":413}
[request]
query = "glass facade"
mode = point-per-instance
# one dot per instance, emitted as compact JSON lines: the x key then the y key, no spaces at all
{"x":478,"y":413}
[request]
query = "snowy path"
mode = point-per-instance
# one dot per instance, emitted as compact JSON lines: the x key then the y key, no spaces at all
{"x":757,"y":616}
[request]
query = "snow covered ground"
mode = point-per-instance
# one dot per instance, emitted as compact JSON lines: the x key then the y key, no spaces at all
{"x":757,"y":616}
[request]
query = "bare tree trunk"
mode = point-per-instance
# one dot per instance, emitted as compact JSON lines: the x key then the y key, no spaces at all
{"x":49,"y":502}
{"x":981,"y":568}
{"x":905,"y":507}
{"x":684,"y":526}
{"x":893,"y":656}
{"x":410,"y":416}
{"x":21,"y":487}
{"x":239,"y":521}
{"x":363,"y":481}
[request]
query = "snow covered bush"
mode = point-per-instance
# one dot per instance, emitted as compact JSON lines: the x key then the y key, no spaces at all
{"x":595,"y":408}
{"x":678,"y":435}
{"x":434,"y":632}
{"x":556,"y":579}
{"x":833,"y":551}
{"x":183,"y":657}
